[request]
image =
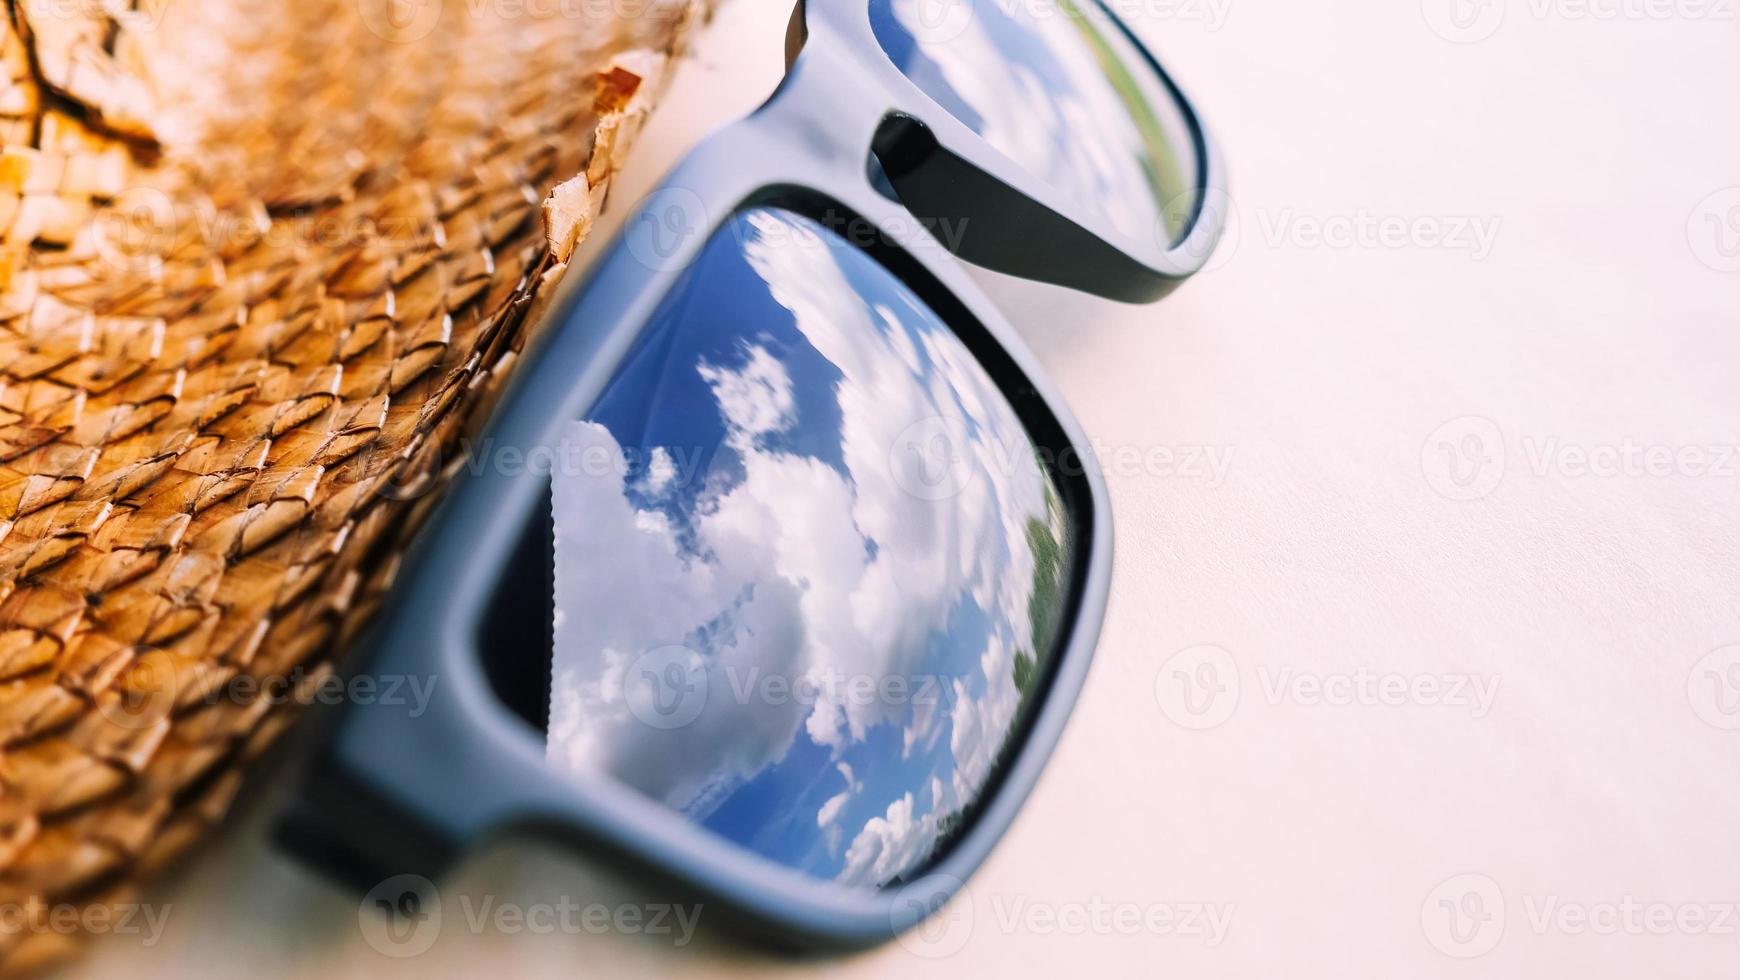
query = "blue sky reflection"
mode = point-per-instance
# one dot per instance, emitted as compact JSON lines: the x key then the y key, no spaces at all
{"x":802,"y":606}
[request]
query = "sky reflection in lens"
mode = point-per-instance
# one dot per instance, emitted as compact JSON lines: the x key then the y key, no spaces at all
{"x":806,"y":603}
{"x":1057,"y":87}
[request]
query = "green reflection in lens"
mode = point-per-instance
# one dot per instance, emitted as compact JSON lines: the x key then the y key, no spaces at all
{"x":1166,"y":173}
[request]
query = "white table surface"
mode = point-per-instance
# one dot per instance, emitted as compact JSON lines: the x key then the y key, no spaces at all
{"x":1353,"y":536}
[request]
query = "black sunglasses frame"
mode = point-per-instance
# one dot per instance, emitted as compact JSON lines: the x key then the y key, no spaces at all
{"x":389,"y":792}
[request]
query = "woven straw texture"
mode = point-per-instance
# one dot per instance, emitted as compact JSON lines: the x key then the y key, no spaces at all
{"x":261,"y":265}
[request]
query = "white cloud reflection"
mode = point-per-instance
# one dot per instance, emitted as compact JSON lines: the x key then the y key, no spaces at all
{"x":798,"y":570}
{"x":1063,"y":120}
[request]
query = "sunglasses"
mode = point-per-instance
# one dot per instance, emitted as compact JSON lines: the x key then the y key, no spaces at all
{"x":779,"y":567}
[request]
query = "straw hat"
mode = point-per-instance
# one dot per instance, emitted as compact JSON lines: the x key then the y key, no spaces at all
{"x":262,"y":264}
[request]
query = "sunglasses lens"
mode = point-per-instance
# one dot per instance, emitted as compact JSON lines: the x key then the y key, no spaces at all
{"x":808,"y":567}
{"x":1060,"y":89}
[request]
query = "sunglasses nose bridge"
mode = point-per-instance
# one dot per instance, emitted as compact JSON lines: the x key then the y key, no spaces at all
{"x":831,"y":103}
